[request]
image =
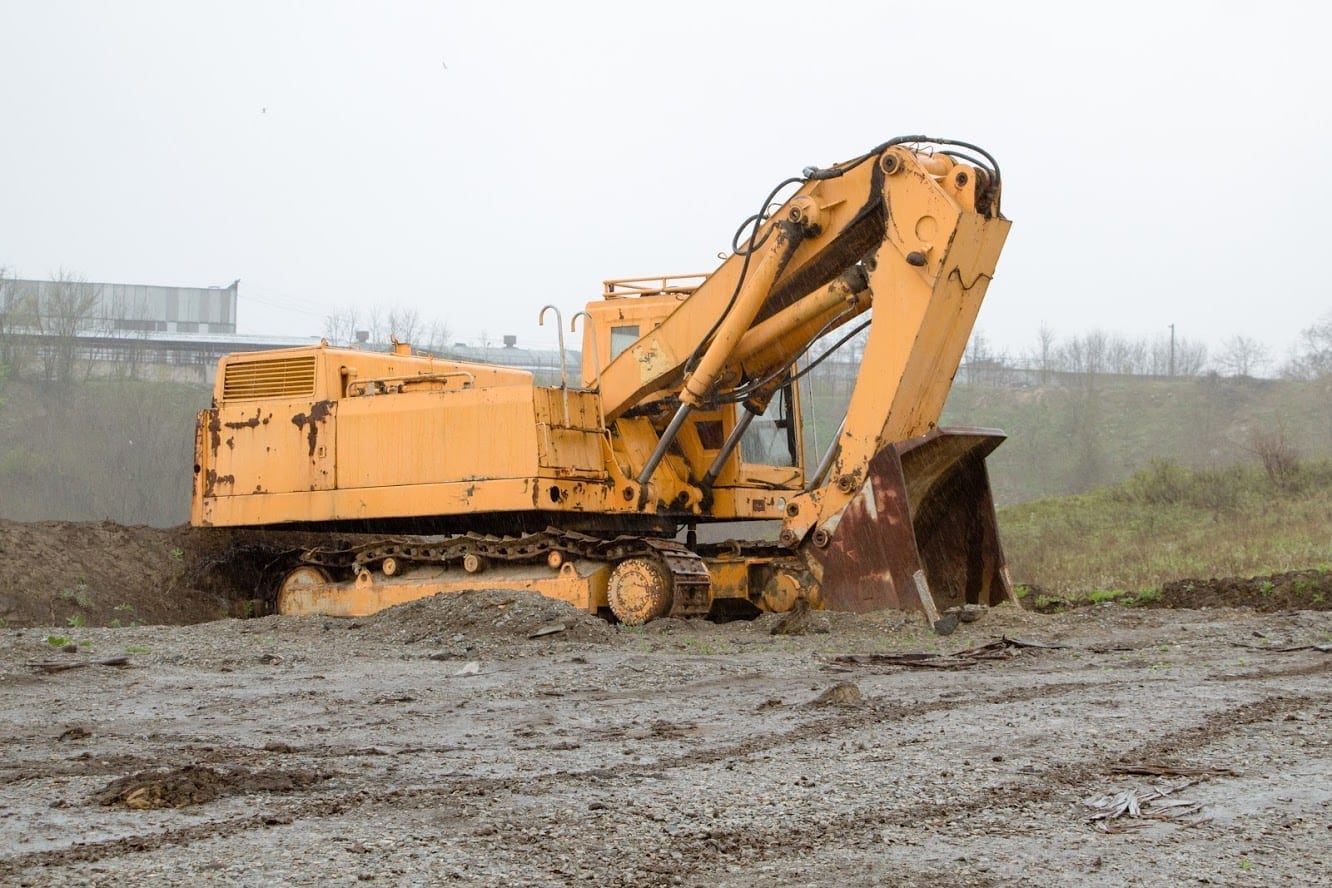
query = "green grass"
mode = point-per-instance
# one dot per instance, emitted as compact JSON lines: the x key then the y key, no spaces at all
{"x":1167,"y":522}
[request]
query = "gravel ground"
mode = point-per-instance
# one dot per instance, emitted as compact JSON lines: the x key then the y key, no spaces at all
{"x":437,"y":743}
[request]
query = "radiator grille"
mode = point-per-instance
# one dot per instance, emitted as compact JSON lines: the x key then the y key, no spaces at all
{"x":269,"y":378}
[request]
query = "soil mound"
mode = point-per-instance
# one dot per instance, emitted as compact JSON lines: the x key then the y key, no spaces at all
{"x":97,"y":573}
{"x":196,"y":784}
{"x":1294,"y":590}
{"x":90,"y":573}
{"x":486,"y":613}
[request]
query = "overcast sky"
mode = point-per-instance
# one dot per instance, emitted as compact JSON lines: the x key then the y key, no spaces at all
{"x":1163,"y":162}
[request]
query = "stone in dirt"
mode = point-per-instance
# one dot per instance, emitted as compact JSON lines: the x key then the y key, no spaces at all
{"x":844,"y":693}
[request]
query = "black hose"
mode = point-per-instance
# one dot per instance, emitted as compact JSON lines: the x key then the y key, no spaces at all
{"x":814,"y":174}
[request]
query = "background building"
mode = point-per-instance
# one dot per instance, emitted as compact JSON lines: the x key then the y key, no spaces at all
{"x":143,"y":308}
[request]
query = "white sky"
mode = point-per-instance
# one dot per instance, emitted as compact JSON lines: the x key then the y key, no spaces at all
{"x":1163,"y":162}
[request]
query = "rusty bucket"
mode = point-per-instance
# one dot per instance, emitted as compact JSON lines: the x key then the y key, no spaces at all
{"x":921,"y":534}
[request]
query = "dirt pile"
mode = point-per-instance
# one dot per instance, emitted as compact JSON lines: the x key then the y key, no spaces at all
{"x":454,"y":622}
{"x":106,"y":574}
{"x":1294,"y":590}
{"x":196,"y":784}
{"x":96,"y":573}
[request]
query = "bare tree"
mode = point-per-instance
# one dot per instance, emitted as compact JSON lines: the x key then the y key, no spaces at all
{"x":435,"y":337}
{"x":126,"y":319}
{"x":340,"y":328}
{"x":1073,"y":355}
{"x":1190,"y":357}
{"x":18,"y":321}
{"x":1313,"y":360}
{"x":64,"y":310}
{"x":1242,"y":356}
{"x":1124,"y":356}
{"x":373,"y":324}
{"x":1046,"y":351}
{"x":1160,"y":357}
{"x":403,"y":324}
{"x":977,"y":355}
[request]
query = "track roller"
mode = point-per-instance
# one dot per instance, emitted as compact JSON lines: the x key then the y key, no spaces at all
{"x":640,"y":589}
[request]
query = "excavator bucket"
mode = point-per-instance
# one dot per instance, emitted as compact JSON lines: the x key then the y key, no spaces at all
{"x":921,"y":533}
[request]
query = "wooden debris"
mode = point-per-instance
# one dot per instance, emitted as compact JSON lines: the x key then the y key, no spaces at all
{"x":62,"y":665}
{"x":1154,"y":770}
{"x":1324,"y":648}
{"x":1001,"y":649}
{"x":1143,"y":804}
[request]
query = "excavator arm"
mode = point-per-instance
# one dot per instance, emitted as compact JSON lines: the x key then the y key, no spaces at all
{"x":906,"y":227}
{"x":898,"y":512}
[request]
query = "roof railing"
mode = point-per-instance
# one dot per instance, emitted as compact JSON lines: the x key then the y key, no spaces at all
{"x":660,"y":285}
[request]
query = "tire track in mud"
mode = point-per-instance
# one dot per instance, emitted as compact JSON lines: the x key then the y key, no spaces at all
{"x":777,"y":844}
{"x":1314,"y":668}
{"x":282,"y":814}
{"x":780,"y":843}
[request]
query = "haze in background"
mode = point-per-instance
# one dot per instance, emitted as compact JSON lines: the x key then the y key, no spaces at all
{"x":1163,"y":163}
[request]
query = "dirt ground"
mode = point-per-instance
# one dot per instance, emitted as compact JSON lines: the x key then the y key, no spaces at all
{"x":506,"y":739}
{"x":441,"y":743}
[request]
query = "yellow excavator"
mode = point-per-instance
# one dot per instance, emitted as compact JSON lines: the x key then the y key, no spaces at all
{"x":686,"y":413}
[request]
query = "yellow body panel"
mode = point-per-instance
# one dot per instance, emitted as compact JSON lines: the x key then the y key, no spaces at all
{"x":434,"y":437}
{"x":582,"y":584}
{"x":397,"y":436}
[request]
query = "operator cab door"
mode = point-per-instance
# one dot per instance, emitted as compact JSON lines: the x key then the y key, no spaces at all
{"x":771,"y":451}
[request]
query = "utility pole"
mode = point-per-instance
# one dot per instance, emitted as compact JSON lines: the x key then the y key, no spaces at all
{"x":1172,"y":349}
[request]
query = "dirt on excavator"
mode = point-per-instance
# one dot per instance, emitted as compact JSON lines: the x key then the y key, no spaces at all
{"x":506,"y":739}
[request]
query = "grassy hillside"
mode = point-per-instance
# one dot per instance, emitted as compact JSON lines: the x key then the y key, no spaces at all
{"x":1167,"y":522}
{"x":103,"y":449}
{"x":1074,"y":437}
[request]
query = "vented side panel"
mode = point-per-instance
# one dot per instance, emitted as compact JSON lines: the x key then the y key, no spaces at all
{"x":270,"y":378}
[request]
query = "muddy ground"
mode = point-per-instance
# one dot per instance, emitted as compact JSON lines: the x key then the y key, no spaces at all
{"x":440,"y":743}
{"x":502,"y":739}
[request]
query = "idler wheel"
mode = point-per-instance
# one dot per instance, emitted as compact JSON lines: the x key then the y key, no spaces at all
{"x":297,"y":583}
{"x":639,"y":590}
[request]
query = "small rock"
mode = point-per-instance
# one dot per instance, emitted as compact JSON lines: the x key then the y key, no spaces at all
{"x":947,"y":624}
{"x":844,"y":693}
{"x":471,"y":667}
{"x":69,"y":649}
{"x":794,"y":622}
